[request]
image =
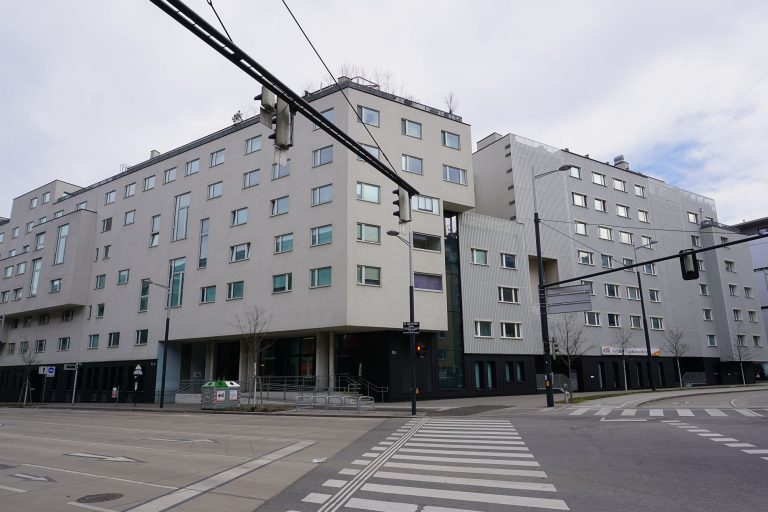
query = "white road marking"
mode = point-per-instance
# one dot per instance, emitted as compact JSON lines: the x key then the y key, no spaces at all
{"x":715,"y":412}
{"x":360,"y":462}
{"x":170,"y":487}
{"x":468,"y":469}
{"x":623,"y":419}
{"x":696,"y":430}
{"x":381,"y":506}
{"x":755,"y":452}
{"x":109,"y":458}
{"x":334,"y":483}
{"x":579,"y":412}
{"x":349,"y":471}
{"x":477,"y":497}
{"x":386,"y":443}
{"x":430,"y":508}
{"x":465,"y":441}
{"x":469,"y":446}
{"x":465,"y":422}
{"x":629,"y":412}
{"x":467,"y":436}
{"x":603,"y":411}
{"x":90,"y":507}
{"x":656,"y":412}
{"x":740,"y":445}
{"x":684,"y":412}
{"x":469,"y":432}
{"x":316,"y":497}
{"x":34,"y":478}
{"x":710,"y":435}
{"x":673,"y":422}
{"x":748,"y":413}
{"x":371,"y":455}
{"x":12,"y":489}
{"x":468,"y":461}
{"x":477,"y":482}
{"x":463,"y":452}
{"x":764,"y":458}
{"x":378,"y":448}
{"x":722,"y":439}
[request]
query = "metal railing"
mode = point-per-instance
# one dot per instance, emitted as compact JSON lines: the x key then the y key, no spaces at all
{"x":280,"y":387}
{"x":691,"y":379}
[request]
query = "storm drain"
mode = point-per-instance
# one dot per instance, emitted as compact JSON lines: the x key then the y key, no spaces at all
{"x":99,"y":498}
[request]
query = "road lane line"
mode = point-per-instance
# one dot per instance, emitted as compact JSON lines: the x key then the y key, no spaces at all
{"x":477,"y":482}
{"x":126,"y":480}
{"x":12,"y":489}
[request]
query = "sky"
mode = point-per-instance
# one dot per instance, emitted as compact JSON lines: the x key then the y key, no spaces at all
{"x":680,"y":88}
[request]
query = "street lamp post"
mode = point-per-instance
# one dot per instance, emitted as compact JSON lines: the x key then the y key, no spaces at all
{"x":412,"y":335}
{"x":542,"y":294}
{"x":645,"y":320}
{"x":165,"y":341}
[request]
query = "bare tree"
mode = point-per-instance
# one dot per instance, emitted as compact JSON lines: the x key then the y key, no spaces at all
{"x":451,"y":103}
{"x":677,"y":347}
{"x":623,"y":339}
{"x":252,"y":324}
{"x":568,"y":335}
{"x":30,"y":360}
{"x":742,"y":353}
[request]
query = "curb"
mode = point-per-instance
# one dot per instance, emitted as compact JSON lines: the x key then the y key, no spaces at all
{"x":706,"y":393}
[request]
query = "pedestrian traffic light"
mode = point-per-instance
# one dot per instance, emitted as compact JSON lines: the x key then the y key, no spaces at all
{"x":420,"y":350}
{"x":689,"y":265}
{"x":403,"y":203}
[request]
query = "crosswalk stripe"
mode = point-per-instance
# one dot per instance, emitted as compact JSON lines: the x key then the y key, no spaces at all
{"x":755,"y":452}
{"x":430,"y":508}
{"x":656,"y":412}
{"x":603,"y":412}
{"x":499,"y":499}
{"x":477,"y":482}
{"x":579,"y":412}
{"x":315,"y":497}
{"x":381,"y":506}
{"x":710,"y":435}
{"x":684,"y":412}
{"x":748,"y":413}
{"x":722,"y":439}
{"x":423,"y":433}
{"x":715,"y":412}
{"x":349,"y":471}
{"x":740,"y":445}
{"x":468,"y":469}
{"x":334,"y":483}
{"x":696,"y":430}
{"x":428,"y":458}
{"x":470,"y":446}
{"x":476,"y":422}
{"x":465,"y":441}
{"x":470,"y":432}
{"x":463,"y":452}
{"x":629,"y":412}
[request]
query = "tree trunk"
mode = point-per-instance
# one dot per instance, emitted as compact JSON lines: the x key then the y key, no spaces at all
{"x":679,"y":374}
{"x":743,"y":380}
{"x":624,"y":367}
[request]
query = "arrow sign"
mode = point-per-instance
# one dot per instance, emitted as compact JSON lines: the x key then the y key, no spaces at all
{"x":102,"y":457}
{"x":35,"y":478}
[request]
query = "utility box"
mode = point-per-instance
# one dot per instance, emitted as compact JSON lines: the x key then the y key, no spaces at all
{"x":220,"y":394}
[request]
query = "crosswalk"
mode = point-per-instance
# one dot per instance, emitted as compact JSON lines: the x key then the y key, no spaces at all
{"x":664,"y":413}
{"x":440,"y":465}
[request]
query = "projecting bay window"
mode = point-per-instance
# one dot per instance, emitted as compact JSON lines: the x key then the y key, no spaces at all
{"x":180,"y":216}
{"x":202,"y":260}
{"x":176,"y":281}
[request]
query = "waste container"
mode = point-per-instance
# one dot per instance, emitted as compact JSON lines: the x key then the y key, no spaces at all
{"x":220,"y":394}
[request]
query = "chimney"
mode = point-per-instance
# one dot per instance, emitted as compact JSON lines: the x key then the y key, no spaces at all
{"x":154,"y":153}
{"x":618,"y":161}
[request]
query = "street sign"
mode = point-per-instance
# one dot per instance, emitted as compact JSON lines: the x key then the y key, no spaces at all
{"x":70,"y":366}
{"x":42,"y":370}
{"x":51,"y":371}
{"x":569,"y":299}
{"x":410,"y":328}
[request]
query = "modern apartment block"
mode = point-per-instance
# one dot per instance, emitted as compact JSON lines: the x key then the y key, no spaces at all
{"x":759,"y":252}
{"x":229,"y":225}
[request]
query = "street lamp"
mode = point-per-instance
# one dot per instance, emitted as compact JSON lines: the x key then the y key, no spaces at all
{"x":165,"y":342}
{"x":412,"y":334}
{"x":542,"y":294}
{"x":137,"y":372}
{"x":642,"y":308}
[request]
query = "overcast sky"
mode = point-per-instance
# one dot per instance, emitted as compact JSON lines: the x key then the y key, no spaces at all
{"x":678,"y":87}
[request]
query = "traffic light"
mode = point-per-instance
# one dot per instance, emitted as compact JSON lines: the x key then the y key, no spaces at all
{"x":403,"y":203}
{"x":689,"y":265}
{"x":420,"y":350}
{"x":276,"y":111}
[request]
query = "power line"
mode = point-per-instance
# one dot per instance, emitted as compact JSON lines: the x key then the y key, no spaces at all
{"x":617,"y":226}
{"x":357,"y":114}
{"x":574,"y":239}
{"x":210,"y":2}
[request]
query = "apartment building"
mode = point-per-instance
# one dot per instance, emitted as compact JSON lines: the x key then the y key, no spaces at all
{"x":759,"y":251}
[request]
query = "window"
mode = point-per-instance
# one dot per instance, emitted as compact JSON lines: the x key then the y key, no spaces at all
{"x":239,"y":216}
{"x":579,"y":199}
{"x":741,"y":340}
{"x":695,"y":241}
{"x":368,"y":115}
{"x":368,"y":233}
{"x":619,"y":185}
{"x":586,"y":258}
{"x":322,"y":195}
{"x":81,"y":206}
{"x":130,"y":189}
{"x":625,"y":238}
{"x":93,"y":341}
{"x":215,"y":190}
{"x":284,"y":243}
{"x":580,"y":228}
{"x":693,"y":218}
{"x":56,"y":215}
{"x":479,"y":256}
{"x":756,"y":341}
{"x":202,"y":260}
{"x":169,"y":175}
{"x":432,"y":282}
{"x":321,"y":235}
{"x":575,"y":172}
{"x":21,"y":268}
{"x":600,"y":205}
{"x":723,"y":240}
{"x":703,"y":289}
{"x":454,"y":175}
{"x":282,"y":283}
{"x":322,"y":156}
{"x":606,"y":261}
{"x":639,"y":191}
{"x":217,"y":158}
{"x":5,"y":296}
{"x":39,"y":345}
{"x":24,"y":347}
{"x":46,"y":197}
{"x":730,"y":266}
{"x":154,"y":236}
{"x":732,"y":290}
{"x":645,"y":242}
{"x":592,"y":318}
{"x":11,"y":349}
{"x":614,"y":320}
{"x":327,"y":114}
{"x":100,"y":310}
{"x":30,"y":225}
{"x":657,"y":324}
{"x":176,"y":271}
{"x":413,"y":164}
{"x":598,"y":179}
{"x":622,"y":211}
{"x":752,"y":316}
{"x":707,"y":314}
{"x":650,"y":269}
{"x":510,"y":295}
{"x":483,"y":329}
{"x":63,"y":345}
{"x":122,"y":276}
{"x":55,"y":285}
{"x":253,"y":144}
{"x":426,"y":242}
{"x":368,"y":275}
{"x":642,"y":216}
{"x":129,"y":218}
{"x":320,"y":277}
{"x":613,"y":291}
{"x":654,"y":295}
{"x":192,"y":167}
{"x":142,"y":336}
{"x":114,"y":340}
{"x":207,"y":294}
{"x":14,"y":232}
{"x":747,"y":292}
{"x":280,"y":170}
{"x":634,"y":321}
{"x":33,"y":203}
{"x":627,"y":262}
{"x":372,"y":150}
{"x":450,"y":140}
{"x":251,"y":178}
{"x":109,"y":197}
{"x":511,"y":330}
{"x":426,"y":204}
{"x":101,"y":280}
{"x":367,"y":192}
{"x":181,"y":215}
{"x":411,"y":128}
{"x":239,"y":252}
{"x":8,"y":271}
{"x":737,"y":315}
{"x":149,"y":182}
{"x":604,"y":233}
{"x":106,"y":225}
{"x":279,"y":206}
{"x":235,"y":290}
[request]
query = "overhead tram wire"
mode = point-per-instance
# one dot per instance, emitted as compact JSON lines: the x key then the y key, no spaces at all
{"x":210,"y":2}
{"x":567,"y":236}
{"x":357,"y":114}
{"x":627,"y":227}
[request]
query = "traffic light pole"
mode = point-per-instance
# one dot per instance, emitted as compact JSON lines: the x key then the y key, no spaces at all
{"x":412,"y":336}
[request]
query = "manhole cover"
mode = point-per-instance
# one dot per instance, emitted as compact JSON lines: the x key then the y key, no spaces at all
{"x":98,"y":498}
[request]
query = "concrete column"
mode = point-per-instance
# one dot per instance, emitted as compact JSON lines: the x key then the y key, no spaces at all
{"x":331,"y":359}
{"x":245,"y":385}
{"x":321,"y":359}
{"x":210,"y":359}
